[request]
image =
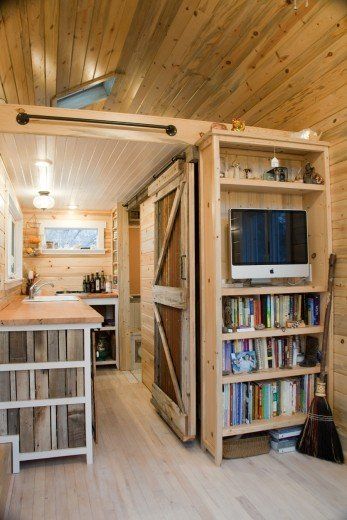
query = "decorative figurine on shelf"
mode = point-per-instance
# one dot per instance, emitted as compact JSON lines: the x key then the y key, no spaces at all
{"x":236,"y":167}
{"x":247,"y":172}
{"x":279,"y":174}
{"x":237,"y":125}
{"x":260,"y":326}
{"x":295,"y":324}
{"x":227,"y":316}
{"x":310,"y":175}
{"x":219,"y":126}
{"x":311,"y":352}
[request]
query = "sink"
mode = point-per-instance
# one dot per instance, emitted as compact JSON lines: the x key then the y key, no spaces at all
{"x":57,"y":298}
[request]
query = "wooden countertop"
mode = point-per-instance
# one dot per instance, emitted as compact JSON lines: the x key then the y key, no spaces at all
{"x":18,"y":312}
{"x":85,"y":296}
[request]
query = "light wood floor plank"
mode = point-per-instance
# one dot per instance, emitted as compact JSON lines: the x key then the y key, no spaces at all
{"x":142,"y":471}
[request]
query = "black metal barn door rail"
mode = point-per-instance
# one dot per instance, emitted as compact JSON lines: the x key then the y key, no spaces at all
{"x":23,"y":119}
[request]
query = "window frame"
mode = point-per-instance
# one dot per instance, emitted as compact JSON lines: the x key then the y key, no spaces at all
{"x":14,"y":242}
{"x":91,"y":224}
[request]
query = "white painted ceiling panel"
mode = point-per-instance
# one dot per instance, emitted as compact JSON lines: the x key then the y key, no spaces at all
{"x":91,"y":173}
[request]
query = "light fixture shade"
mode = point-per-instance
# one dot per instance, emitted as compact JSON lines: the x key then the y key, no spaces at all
{"x":43,"y":163}
{"x":43,"y":200}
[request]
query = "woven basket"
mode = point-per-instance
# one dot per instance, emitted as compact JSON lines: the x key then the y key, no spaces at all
{"x":246,"y":445}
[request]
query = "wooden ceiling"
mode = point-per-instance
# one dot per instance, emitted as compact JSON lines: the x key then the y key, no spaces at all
{"x":202,"y":59}
{"x":92,"y":173}
{"x":199,"y":59}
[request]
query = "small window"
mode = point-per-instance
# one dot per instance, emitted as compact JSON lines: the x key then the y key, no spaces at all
{"x":72,"y":237}
{"x":14,"y":241}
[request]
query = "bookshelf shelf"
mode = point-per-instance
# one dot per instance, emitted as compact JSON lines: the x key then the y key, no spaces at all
{"x":281,"y":421}
{"x":272,"y":289}
{"x":216,"y":196}
{"x":270,"y":333}
{"x":273,"y":373}
{"x":261,"y":186}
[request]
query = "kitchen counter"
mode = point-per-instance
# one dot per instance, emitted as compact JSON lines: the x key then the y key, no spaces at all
{"x":45,"y":362}
{"x":19,"y":312}
{"x":86,"y":296}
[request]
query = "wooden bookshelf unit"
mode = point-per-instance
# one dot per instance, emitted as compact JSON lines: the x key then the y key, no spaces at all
{"x":219,"y":152}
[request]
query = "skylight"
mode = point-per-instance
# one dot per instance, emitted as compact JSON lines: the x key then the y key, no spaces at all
{"x":86,"y":94}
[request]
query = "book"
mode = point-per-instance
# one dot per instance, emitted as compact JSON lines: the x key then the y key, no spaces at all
{"x":285,"y":447}
{"x":272,"y":310}
{"x":246,"y":402}
{"x":243,"y":362}
{"x":285,"y":433}
{"x":270,"y":353}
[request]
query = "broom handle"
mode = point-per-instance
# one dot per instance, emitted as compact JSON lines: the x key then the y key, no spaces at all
{"x":332,"y":262}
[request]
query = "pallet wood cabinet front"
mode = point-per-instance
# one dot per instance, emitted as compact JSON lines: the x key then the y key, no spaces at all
{"x":55,"y":425}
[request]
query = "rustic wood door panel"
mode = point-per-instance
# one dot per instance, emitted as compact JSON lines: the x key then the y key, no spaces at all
{"x":173,"y":392}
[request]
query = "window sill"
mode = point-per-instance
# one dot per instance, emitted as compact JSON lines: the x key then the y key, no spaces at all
{"x":9,"y":284}
{"x":73,"y":251}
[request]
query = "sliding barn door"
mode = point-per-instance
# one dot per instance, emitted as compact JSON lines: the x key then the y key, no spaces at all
{"x":174,"y":388}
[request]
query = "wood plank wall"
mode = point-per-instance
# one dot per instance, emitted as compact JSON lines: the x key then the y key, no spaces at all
{"x":338,"y":162}
{"x":66,"y":271}
{"x":147,"y":273}
{"x":7,"y":291}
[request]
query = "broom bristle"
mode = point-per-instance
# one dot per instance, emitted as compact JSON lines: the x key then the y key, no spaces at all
{"x":319,"y":437}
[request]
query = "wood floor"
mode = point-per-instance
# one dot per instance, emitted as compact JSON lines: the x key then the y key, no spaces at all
{"x":141,"y":471}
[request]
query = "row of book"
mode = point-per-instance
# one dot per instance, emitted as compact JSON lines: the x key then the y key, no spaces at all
{"x":247,"y":402}
{"x":270,"y":310}
{"x":269,"y":352}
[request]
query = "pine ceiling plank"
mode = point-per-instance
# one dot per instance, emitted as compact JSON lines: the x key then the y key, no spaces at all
{"x":61,"y":144}
{"x":67,"y":20}
{"x":110,"y":31}
{"x":323,"y":115}
{"x":270,"y":53}
{"x":192,"y":31}
{"x":25,"y":37}
{"x":83,"y":28}
{"x":75,"y":190}
{"x":298,"y":58}
{"x":307,"y":98}
{"x":36,"y":23}
{"x":12,"y":23}
{"x":330,"y":56}
{"x":2,"y":92}
{"x":127,"y":17}
{"x":164,"y":56}
{"x":51,"y":48}
{"x":13,"y":160}
{"x":338,"y":132}
{"x":99,"y":19}
{"x":226,"y":35}
{"x":6,"y":69}
{"x":145,"y":35}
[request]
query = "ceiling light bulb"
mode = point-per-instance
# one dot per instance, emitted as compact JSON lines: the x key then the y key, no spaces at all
{"x":43,"y":200}
{"x":43,"y":162}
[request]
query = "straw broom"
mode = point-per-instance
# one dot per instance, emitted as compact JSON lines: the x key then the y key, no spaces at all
{"x":319,"y":437}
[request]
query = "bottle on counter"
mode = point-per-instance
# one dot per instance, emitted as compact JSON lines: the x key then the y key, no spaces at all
{"x":87,"y":284}
{"x":92,"y":283}
{"x":97,"y":283}
{"x":103,"y":282}
{"x":84,"y":285}
{"x":108,"y":285}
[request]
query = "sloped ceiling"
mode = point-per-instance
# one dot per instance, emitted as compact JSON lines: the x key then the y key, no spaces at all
{"x":203,"y":59}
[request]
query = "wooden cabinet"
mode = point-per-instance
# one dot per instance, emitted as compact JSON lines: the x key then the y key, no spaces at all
{"x":217,"y":194}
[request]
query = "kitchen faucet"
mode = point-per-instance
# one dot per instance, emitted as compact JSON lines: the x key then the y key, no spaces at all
{"x":34,"y":289}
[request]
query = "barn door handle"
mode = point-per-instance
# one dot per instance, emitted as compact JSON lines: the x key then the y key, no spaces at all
{"x":183,"y":267}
